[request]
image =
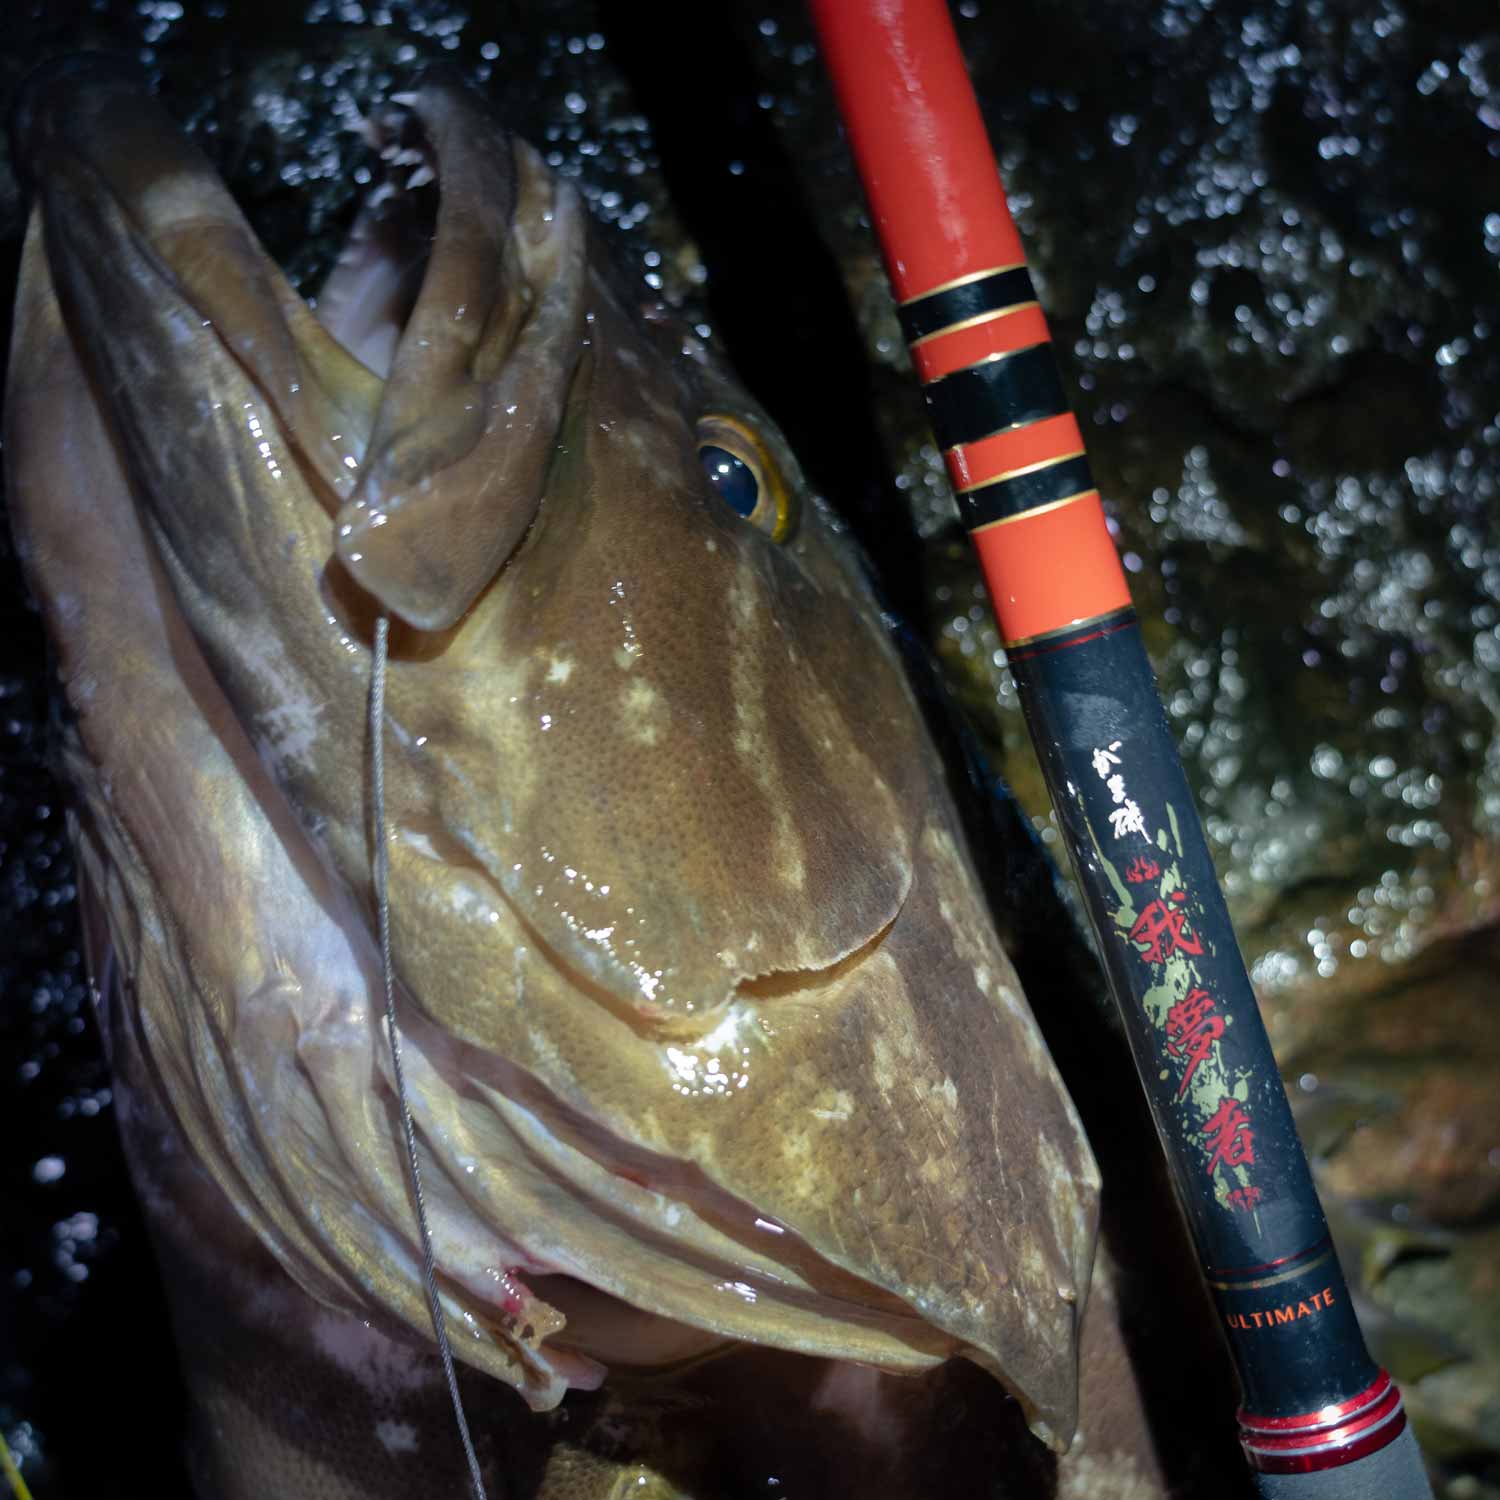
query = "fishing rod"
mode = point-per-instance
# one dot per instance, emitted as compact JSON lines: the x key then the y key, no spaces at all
{"x":1320,"y":1420}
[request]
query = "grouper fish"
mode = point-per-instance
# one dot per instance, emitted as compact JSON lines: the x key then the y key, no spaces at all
{"x":714,"y":1052}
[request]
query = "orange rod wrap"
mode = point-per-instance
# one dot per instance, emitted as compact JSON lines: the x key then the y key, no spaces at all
{"x":978,"y":339}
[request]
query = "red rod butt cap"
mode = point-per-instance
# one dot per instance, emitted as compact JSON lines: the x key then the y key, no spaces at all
{"x":1327,"y":1438}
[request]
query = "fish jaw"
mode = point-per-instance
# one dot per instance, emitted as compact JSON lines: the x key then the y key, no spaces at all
{"x":479,"y":379}
{"x":791,"y":1095}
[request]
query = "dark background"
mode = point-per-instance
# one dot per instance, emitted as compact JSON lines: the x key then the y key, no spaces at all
{"x":1267,"y":237}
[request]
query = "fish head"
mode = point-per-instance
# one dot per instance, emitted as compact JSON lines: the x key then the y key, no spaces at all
{"x":708,"y":1033}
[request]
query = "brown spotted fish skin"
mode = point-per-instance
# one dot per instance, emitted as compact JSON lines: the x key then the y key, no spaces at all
{"x":713,"y":1048}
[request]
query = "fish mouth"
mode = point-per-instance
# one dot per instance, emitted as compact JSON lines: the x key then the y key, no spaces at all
{"x":369,"y":295}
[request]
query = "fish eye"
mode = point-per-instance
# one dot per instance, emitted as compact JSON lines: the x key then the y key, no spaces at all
{"x":743,"y":473}
{"x":732,"y":477}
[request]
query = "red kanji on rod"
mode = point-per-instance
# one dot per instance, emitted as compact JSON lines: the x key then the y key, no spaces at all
{"x":1160,"y":928}
{"x":1230,"y":1138}
{"x":1192,"y":1029}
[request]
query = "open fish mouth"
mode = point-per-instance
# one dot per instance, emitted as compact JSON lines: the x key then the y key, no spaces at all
{"x":708,"y":1034}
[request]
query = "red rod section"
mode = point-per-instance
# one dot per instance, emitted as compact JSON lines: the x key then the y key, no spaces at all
{"x":905,"y":95}
{"x":978,"y":338}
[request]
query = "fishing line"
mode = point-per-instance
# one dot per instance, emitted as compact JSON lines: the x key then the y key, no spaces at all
{"x":388,"y":976}
{"x":12,"y":1472}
